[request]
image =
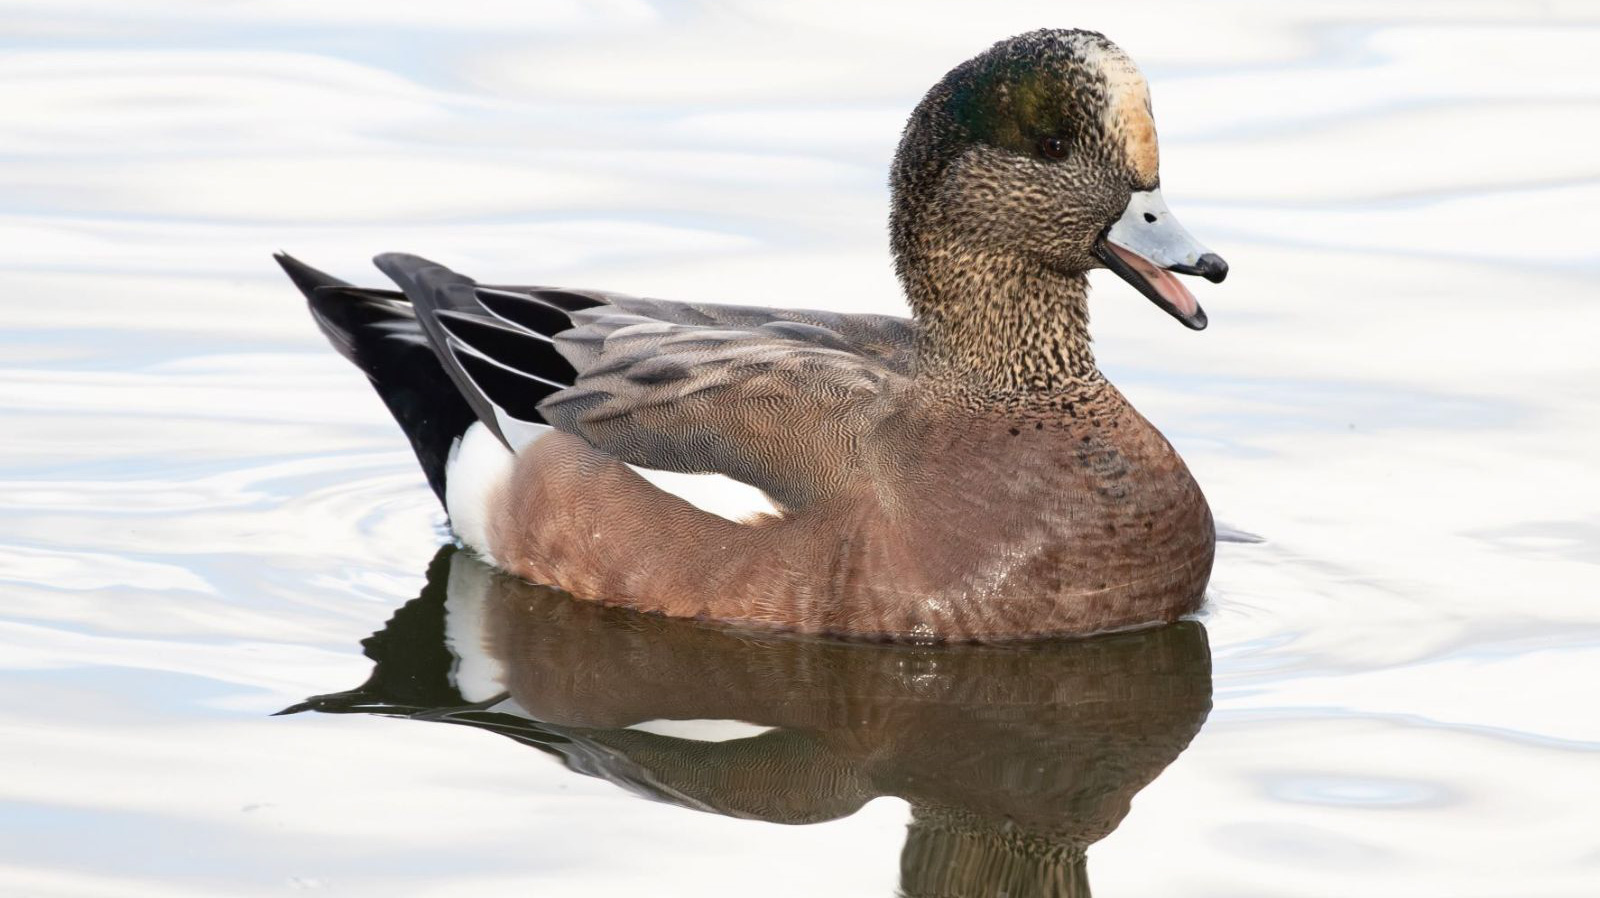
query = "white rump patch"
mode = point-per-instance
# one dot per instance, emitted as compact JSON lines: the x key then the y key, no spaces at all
{"x":473,"y":476}
{"x":702,"y":730}
{"x":716,"y":493}
{"x":477,"y":675}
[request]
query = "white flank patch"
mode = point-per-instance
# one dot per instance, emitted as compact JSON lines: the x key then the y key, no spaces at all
{"x":717,"y":493}
{"x":702,"y":730}
{"x":473,"y":476}
{"x":519,"y":433}
{"x":477,"y":675}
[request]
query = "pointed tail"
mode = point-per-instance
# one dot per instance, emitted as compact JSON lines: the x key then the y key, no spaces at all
{"x":378,"y":331}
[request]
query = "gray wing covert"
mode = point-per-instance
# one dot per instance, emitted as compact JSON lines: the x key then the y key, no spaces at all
{"x":782,"y":405}
{"x":887,"y":338}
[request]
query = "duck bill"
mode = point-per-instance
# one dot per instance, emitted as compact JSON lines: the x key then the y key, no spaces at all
{"x":1147,"y":245}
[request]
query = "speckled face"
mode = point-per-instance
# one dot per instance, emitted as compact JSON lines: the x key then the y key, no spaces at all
{"x":1043,"y":150}
{"x":1053,"y":135}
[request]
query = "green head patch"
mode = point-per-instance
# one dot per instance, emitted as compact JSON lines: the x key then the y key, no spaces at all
{"x":1074,"y":86}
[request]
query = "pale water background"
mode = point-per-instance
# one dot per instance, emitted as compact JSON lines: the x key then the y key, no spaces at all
{"x":205,"y":509}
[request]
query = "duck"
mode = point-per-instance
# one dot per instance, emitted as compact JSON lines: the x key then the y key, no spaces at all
{"x":965,"y":474}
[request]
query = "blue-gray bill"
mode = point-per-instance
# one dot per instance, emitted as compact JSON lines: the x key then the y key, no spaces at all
{"x":1147,"y":245}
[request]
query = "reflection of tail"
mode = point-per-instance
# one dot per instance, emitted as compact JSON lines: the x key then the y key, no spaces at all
{"x":377,"y":330}
{"x":411,"y":661}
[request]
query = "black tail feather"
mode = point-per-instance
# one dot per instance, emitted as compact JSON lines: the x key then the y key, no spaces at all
{"x":514,"y":391}
{"x":431,"y":287}
{"x":524,"y":310}
{"x":444,"y":352}
{"x":378,"y":331}
{"x":510,"y":347}
{"x":496,"y":345}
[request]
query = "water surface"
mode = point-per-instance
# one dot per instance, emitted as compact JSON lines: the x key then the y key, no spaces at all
{"x":207,"y":511}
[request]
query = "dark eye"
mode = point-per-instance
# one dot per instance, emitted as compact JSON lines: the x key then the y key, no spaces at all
{"x":1053,"y":147}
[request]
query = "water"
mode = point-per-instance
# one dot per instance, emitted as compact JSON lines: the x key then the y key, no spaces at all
{"x":207,"y":511}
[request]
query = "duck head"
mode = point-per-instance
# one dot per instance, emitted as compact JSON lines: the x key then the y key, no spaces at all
{"x":1042,"y":152}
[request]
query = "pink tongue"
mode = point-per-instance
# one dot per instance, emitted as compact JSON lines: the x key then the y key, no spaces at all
{"x":1171,"y":289}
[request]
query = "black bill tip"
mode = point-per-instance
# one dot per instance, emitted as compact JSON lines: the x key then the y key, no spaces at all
{"x":1212,"y":268}
{"x":1209,"y":266}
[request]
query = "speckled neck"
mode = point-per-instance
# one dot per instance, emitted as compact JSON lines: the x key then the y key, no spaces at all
{"x":1000,"y":328}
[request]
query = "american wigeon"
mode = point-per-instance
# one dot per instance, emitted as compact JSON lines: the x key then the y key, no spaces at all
{"x":965,"y":474}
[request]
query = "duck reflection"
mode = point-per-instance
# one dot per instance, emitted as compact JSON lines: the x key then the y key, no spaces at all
{"x":1014,"y":759}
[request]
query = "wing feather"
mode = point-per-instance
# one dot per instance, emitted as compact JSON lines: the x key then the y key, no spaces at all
{"x":780,"y":399}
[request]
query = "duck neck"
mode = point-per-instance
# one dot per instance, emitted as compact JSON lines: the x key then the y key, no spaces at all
{"x":1001,"y":327}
